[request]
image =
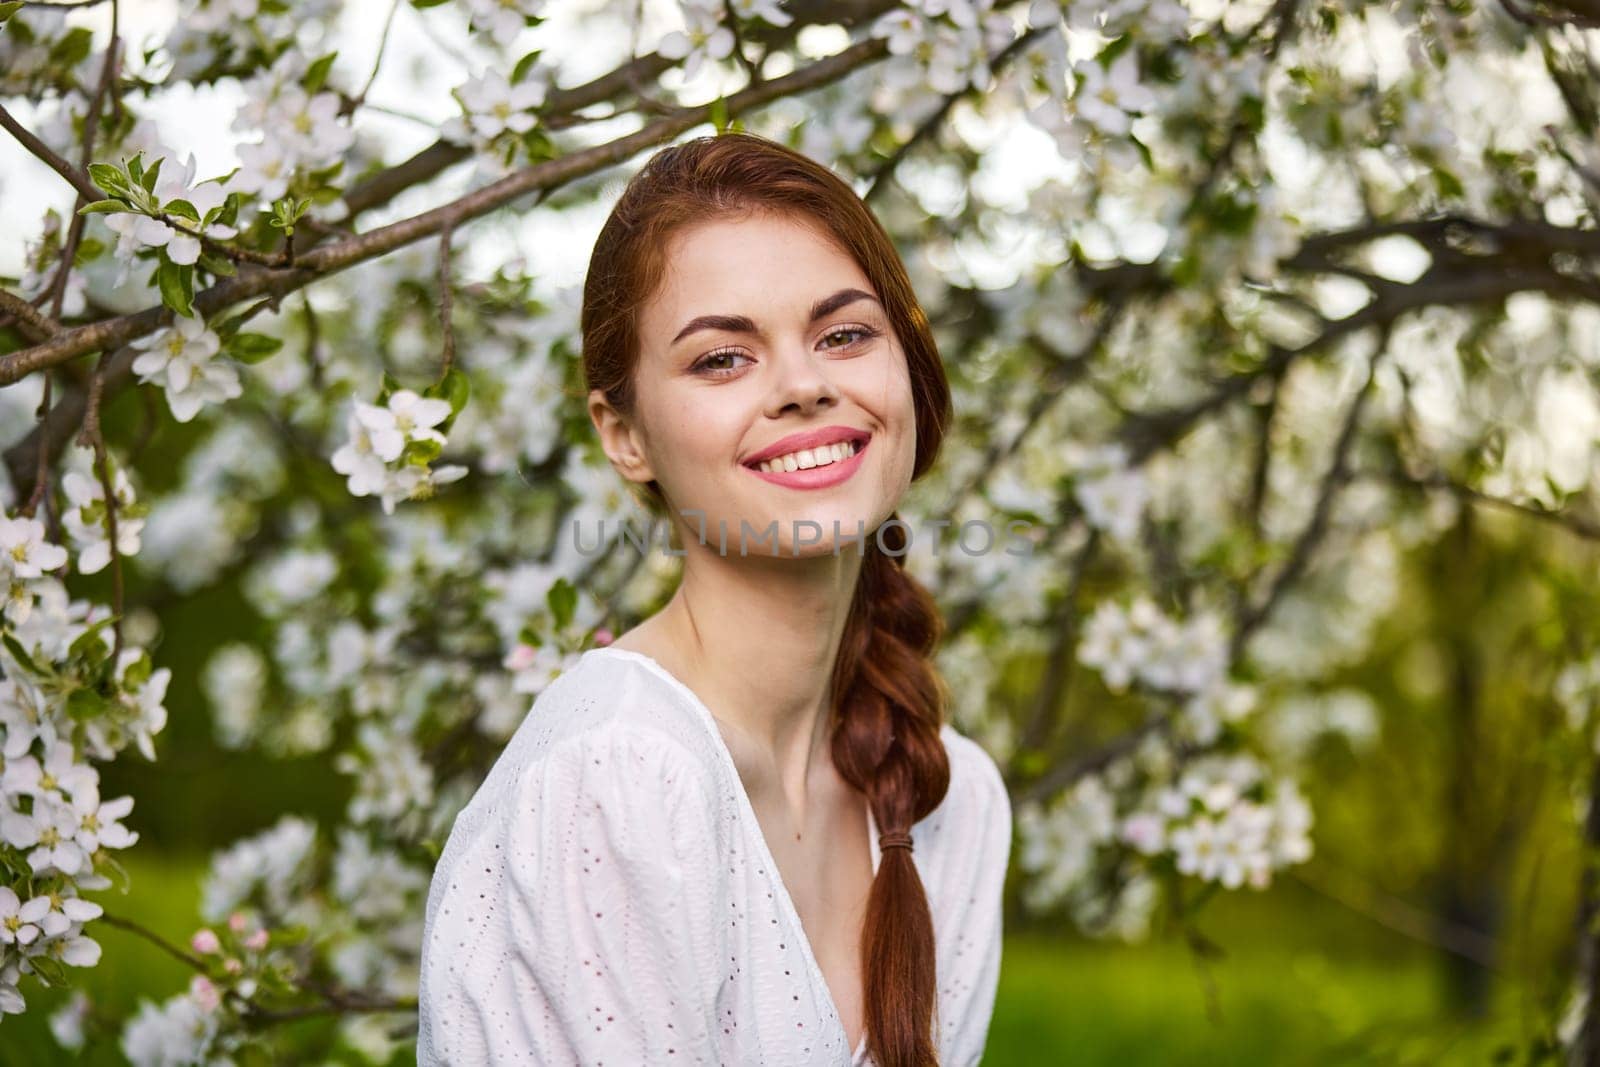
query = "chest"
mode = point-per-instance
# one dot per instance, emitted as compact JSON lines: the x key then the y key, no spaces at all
{"x":827,"y":869}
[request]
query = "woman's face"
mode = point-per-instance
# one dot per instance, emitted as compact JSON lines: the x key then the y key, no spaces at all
{"x":762,"y":328}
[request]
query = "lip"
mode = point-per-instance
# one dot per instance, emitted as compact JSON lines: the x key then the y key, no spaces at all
{"x":826,"y":435}
{"x":815,"y":477}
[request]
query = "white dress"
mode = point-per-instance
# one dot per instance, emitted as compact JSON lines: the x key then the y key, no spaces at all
{"x":607,"y":897}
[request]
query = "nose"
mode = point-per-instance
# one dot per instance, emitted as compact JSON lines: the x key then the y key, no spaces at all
{"x":801,"y":383}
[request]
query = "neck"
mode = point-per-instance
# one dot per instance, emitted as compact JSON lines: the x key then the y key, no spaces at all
{"x":757,"y":638}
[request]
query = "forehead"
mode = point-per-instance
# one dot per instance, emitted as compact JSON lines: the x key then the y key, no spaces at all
{"x":761,"y":265}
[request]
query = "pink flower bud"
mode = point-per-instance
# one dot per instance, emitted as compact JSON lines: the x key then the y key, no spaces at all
{"x":237,"y":922}
{"x":521,"y":657}
{"x":205,"y":942}
{"x":256,"y":941}
{"x":232,"y":966}
{"x":204,"y":993}
{"x":603,"y":637}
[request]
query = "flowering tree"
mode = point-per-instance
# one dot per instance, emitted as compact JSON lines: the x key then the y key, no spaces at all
{"x":1239,"y":302}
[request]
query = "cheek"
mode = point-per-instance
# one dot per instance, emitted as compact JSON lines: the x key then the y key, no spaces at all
{"x":699,"y":436}
{"x":888,"y":396}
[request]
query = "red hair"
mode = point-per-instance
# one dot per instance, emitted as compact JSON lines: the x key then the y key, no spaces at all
{"x":887,"y":698}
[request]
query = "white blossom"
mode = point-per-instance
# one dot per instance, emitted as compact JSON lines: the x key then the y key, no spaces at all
{"x":1107,"y":99}
{"x":176,"y":1033}
{"x":19,"y":920}
{"x":504,"y":20}
{"x":182,"y":360}
{"x":703,"y":38}
{"x":85,"y":522}
{"x":24,"y":552}
{"x":493,"y":106}
{"x":269,"y":864}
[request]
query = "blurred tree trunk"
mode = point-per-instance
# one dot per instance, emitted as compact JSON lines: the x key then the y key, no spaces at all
{"x":1585,"y":1051}
{"x":1477,"y":839}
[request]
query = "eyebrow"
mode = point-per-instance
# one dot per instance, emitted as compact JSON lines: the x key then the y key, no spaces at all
{"x":742,"y":324}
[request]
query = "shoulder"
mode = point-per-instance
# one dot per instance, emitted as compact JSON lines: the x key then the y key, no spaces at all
{"x":618,"y":735}
{"x":606,"y":701}
{"x":603,"y":752}
{"x":592,"y":839}
{"x":971,"y":828}
{"x":976,"y":784}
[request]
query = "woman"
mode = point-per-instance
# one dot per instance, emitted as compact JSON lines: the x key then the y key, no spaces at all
{"x":742,"y":833}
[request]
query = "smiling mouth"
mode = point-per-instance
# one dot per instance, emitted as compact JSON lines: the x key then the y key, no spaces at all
{"x":857,"y":444}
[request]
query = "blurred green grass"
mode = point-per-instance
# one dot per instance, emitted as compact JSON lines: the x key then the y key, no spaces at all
{"x":164,"y":897}
{"x":1062,"y":1003}
{"x":1302,"y":982}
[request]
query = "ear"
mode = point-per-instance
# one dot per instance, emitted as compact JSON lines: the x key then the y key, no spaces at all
{"x":619,"y":439}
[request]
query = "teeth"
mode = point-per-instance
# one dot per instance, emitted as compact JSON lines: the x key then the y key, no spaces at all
{"x":807,"y":458}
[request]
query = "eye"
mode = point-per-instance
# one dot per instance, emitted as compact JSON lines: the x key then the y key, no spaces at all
{"x":863,"y":333}
{"x":704,"y":364}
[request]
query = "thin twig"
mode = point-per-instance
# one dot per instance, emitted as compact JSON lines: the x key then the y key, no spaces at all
{"x":446,"y":300}
{"x":377,"y":63}
{"x":1398,"y":915}
{"x":751,"y":66}
{"x":92,"y":437}
{"x":155,"y":939}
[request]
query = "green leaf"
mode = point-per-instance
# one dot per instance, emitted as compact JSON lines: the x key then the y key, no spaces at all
{"x":89,"y":641}
{"x":20,"y":654}
{"x":89,"y":250}
{"x":228,"y":213}
{"x":137,"y":673}
{"x":524,"y":65}
{"x":150,"y":176}
{"x":177,"y":286}
{"x":225,"y":328}
{"x":111,"y":179}
{"x":183,"y":210}
{"x":421,"y":453}
{"x":221,"y":266}
{"x":103,"y":207}
{"x":539,"y":146}
{"x":72,"y":49}
{"x":719,"y":113}
{"x":455,"y":389}
{"x":317,"y":73}
{"x":420,"y":4}
{"x":562,"y":599}
{"x":1110,"y":52}
{"x":106,"y":864}
{"x":253,"y":347}
{"x":390,"y":387}
{"x":7,"y":10}
{"x":85,"y":705}
{"x":48,"y":969}
{"x":1144,"y":152}
{"x":286,"y":211}
{"x":323,"y":177}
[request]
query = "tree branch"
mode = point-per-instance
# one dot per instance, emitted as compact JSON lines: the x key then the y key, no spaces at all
{"x":330,"y":259}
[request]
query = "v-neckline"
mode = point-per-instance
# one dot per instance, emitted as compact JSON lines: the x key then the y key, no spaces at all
{"x":819,"y":980}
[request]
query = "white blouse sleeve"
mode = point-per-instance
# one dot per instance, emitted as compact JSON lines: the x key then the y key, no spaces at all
{"x":976,"y":972}
{"x":584,"y":924}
